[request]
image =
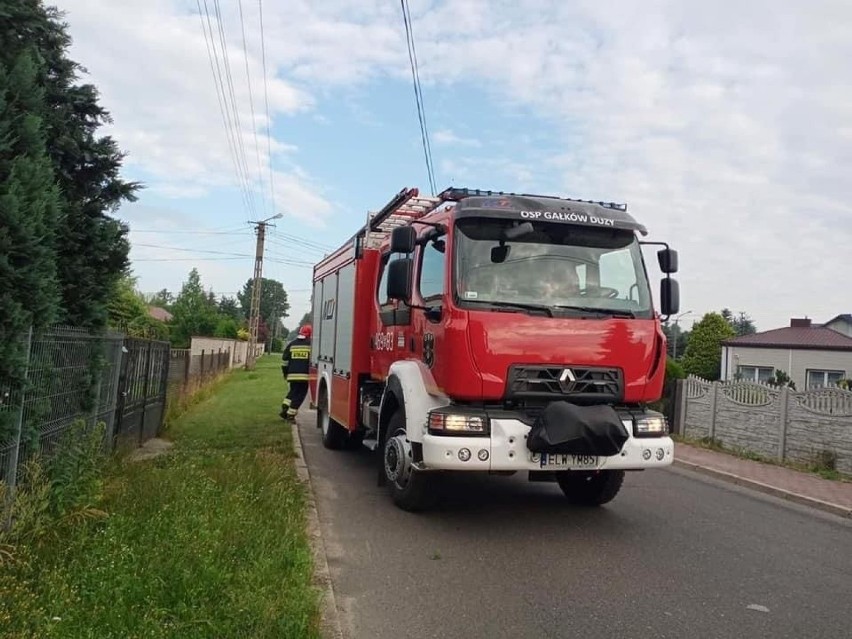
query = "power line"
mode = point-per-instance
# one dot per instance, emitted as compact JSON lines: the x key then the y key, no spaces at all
{"x":418,"y":93}
{"x":243,"y":231}
{"x":266,"y":102}
{"x":293,"y":263}
{"x":192,"y":250}
{"x":230,"y":79}
{"x":188,"y":259}
{"x":251,"y":104}
{"x":217,"y":81}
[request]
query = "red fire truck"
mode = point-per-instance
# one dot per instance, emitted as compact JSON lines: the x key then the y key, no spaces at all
{"x":494,"y":332}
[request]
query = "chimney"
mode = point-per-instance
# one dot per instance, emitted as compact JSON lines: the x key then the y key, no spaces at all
{"x":800,"y":323}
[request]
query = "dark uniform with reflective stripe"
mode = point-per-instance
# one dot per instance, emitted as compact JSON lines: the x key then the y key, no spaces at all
{"x":296,"y":361}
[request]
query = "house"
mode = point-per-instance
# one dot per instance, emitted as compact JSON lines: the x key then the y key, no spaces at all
{"x":813,"y":355}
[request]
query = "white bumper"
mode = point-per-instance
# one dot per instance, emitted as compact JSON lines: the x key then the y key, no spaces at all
{"x":506,"y":450}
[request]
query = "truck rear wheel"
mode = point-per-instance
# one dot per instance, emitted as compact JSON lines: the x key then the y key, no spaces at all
{"x":410,"y":489}
{"x":590,"y":488}
{"x":333,"y":434}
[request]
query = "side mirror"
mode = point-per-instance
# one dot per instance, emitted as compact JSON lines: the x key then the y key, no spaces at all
{"x":669,"y":297}
{"x":399,"y":279}
{"x":403,"y":240}
{"x":668,"y":260}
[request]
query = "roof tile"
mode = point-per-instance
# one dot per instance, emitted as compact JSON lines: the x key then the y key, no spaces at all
{"x":815,"y":337}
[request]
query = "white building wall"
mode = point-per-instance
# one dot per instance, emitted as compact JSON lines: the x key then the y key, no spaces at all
{"x":794,"y":362}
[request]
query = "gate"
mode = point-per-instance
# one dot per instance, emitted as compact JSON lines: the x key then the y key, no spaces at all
{"x":142,"y":390}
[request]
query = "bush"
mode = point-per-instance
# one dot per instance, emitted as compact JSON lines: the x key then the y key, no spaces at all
{"x":56,"y":489}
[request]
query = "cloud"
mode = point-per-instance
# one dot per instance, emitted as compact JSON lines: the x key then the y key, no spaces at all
{"x":729,"y":138}
{"x":449,"y":138}
{"x":150,"y":63}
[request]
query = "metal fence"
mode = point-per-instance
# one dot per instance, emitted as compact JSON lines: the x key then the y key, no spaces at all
{"x":71,"y":375}
{"x":188,"y":372}
{"x":142,"y":390}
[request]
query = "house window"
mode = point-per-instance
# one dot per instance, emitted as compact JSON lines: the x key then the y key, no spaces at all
{"x":824,"y":379}
{"x":760,"y":374}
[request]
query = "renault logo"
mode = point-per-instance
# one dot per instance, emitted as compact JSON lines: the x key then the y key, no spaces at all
{"x":567,"y":379}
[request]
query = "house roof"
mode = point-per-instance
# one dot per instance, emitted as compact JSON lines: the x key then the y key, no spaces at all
{"x":845,"y":317}
{"x":159,"y":313}
{"x":803,"y":338}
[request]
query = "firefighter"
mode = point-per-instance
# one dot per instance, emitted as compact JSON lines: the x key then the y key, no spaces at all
{"x":295,"y":367}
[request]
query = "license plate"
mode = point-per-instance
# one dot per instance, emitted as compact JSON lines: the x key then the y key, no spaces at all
{"x":561,"y":460}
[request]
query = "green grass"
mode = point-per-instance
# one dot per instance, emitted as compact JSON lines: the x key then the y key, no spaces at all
{"x":206,"y":541}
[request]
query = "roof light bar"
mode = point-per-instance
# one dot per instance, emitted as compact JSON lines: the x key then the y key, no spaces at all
{"x":454,"y":194}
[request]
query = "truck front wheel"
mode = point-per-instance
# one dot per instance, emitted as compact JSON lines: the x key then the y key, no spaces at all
{"x":590,"y":488}
{"x":410,"y":489}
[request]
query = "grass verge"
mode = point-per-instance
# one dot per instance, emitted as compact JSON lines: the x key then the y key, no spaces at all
{"x":206,"y":541}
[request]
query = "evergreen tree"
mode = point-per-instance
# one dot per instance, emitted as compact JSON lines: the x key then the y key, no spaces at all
{"x":29,"y":207}
{"x":92,"y":247}
{"x":741,"y":323}
{"x":230,"y":307}
{"x":193,"y":315}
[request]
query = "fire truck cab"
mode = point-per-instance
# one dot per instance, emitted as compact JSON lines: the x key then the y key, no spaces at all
{"x":495,"y":333}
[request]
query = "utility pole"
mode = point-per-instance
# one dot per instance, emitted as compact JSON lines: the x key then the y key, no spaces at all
{"x":257,"y":280}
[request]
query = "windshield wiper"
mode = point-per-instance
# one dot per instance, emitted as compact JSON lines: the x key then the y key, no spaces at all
{"x":523,"y":307}
{"x":600,"y":311}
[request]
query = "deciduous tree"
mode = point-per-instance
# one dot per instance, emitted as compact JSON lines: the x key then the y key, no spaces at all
{"x":703,"y":356}
{"x":274,"y":304}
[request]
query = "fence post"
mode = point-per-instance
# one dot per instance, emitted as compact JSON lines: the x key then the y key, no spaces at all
{"x":201,"y":372}
{"x":163,"y":392}
{"x":684,"y":405}
{"x":117,"y":356}
{"x":187,"y":362}
{"x":12,"y":475}
{"x":782,"y":439}
{"x":97,"y":396}
{"x":713,"y":406}
{"x":148,"y":353}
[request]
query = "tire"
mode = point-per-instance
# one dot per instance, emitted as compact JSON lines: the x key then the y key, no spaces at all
{"x":590,"y":489}
{"x":416,"y":491}
{"x":334,"y":436}
{"x":355,"y":440}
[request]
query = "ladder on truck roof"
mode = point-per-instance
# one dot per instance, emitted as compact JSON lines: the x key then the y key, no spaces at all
{"x":406,"y":206}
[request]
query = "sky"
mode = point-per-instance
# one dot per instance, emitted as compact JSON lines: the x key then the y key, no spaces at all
{"x":726,"y":127}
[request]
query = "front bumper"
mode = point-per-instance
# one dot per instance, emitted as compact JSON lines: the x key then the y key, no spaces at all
{"x":507,"y":451}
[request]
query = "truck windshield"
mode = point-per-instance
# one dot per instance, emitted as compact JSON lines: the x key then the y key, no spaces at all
{"x":556,"y":266}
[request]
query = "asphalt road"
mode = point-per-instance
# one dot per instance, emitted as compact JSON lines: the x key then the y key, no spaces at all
{"x":674,"y":555}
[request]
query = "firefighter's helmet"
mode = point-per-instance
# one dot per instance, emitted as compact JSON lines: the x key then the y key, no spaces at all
{"x":305,"y":330}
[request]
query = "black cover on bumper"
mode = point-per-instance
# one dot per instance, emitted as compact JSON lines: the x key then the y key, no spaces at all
{"x":577,"y":430}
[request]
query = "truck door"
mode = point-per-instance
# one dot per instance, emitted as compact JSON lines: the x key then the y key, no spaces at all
{"x":388,"y":342}
{"x":428,"y":326}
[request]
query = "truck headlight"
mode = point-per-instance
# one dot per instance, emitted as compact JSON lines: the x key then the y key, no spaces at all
{"x":650,"y":426}
{"x":446,"y":422}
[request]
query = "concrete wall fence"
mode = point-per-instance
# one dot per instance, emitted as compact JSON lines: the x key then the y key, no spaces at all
{"x":237,"y":348}
{"x":773,"y":422}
